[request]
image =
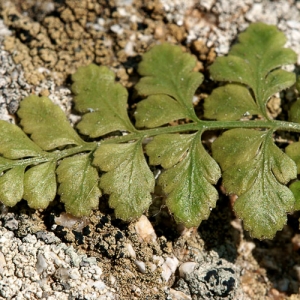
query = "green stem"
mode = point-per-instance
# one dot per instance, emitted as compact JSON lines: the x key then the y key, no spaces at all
{"x":141,"y":134}
{"x":87,"y":147}
{"x":206,"y":125}
{"x":55,"y":155}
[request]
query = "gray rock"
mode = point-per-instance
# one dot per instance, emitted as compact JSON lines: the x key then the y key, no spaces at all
{"x":212,"y":279}
{"x":47,"y":237}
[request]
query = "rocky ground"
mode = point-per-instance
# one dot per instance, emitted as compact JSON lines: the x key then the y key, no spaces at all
{"x":51,"y":255}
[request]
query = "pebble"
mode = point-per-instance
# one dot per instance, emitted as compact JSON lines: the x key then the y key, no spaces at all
{"x":214,"y":278}
{"x":178,"y":295}
{"x":41,"y":263}
{"x":47,"y":237}
{"x":99,"y":285}
{"x":10,"y":222}
{"x":169,"y":267}
{"x":187,"y":268}
{"x":158,"y":260}
{"x":141,"y":266}
{"x":69,"y":221}
{"x":130,"y":250}
{"x":145,"y":230}
{"x":2,"y":262}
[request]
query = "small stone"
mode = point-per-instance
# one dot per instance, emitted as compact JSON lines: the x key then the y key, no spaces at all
{"x":99,"y":284}
{"x":117,"y":29}
{"x":187,"y":268}
{"x":158,"y":260}
{"x":44,"y":93}
{"x":75,"y":258}
{"x":130,"y":250}
{"x":41,"y":263}
{"x":169,"y":267}
{"x":71,"y":222}
{"x":13,"y":106}
{"x":141,"y":266}
{"x":145,"y":229}
{"x":11,"y":224}
{"x":112,"y":279}
{"x":2,"y":262}
{"x":215,"y":279}
{"x":62,"y":274}
{"x":177,"y":295}
{"x":137,"y":291}
{"x":172,"y":263}
{"x":74,"y":274}
{"x":152,"y":267}
{"x":30,"y":239}
{"x":207,"y":4}
{"x":47,"y":237}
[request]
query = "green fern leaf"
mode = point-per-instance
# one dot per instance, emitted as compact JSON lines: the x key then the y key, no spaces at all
{"x":294,"y":112}
{"x":46,"y":123}
{"x":15,"y":143}
{"x":102,"y":100}
{"x":159,"y":106}
{"x":293,"y":151}
{"x":128,"y":180}
{"x":168,"y":149}
{"x":78,"y":185}
{"x":169,"y":81}
{"x":230,"y":102}
{"x":256,"y":170}
{"x":252,"y":63}
{"x":188,"y":179}
{"x":12,"y":186}
{"x":295,"y":188}
{"x":6,"y":164}
{"x":298,"y":84}
{"x":40,"y":185}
